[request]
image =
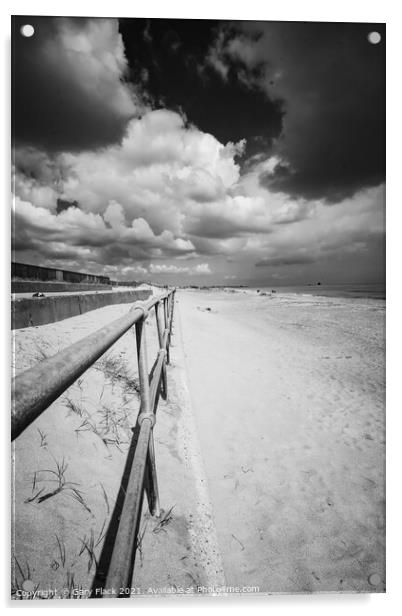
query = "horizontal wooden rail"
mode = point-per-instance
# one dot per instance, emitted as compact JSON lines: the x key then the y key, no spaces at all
{"x":35,"y":389}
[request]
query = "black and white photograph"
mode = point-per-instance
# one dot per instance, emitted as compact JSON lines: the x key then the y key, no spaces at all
{"x":197,"y":307}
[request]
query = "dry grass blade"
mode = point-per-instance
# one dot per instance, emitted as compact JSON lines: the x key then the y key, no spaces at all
{"x":88,"y":545}
{"x":77,"y":495}
{"x":73,"y":407}
{"x":140,"y":538}
{"x":43,"y":442}
{"x":34,"y":497}
{"x":166,"y":518}
{"x":24,"y":577}
{"x":62,"y":551}
{"x":105,"y":497}
{"x":101,"y":533}
{"x":90,"y":426}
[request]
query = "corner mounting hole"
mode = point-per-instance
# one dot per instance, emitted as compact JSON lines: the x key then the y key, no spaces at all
{"x":27,"y":30}
{"x":374,"y":38}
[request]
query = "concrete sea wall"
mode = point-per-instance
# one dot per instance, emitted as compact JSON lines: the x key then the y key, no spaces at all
{"x":41,"y":310}
{"x":34,"y":286}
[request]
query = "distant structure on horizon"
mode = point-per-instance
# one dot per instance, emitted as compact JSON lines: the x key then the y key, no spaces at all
{"x":24,"y":271}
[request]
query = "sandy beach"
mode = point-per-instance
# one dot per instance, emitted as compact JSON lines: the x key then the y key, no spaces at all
{"x":270,"y":449}
{"x":288,"y":393}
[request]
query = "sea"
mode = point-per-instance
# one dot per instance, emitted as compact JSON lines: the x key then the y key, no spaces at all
{"x":352,"y":290}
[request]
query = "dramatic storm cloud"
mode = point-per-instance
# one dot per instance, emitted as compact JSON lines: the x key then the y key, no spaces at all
{"x":171,"y":59}
{"x":169,"y":150}
{"x":68,"y":88}
{"x":332,"y":85}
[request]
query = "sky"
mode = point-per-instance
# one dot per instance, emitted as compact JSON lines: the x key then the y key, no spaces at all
{"x":200,"y":152}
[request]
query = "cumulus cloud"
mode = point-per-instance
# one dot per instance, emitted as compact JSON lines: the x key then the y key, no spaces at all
{"x":202,"y":268}
{"x":90,"y":236}
{"x":232,"y":216}
{"x":144,"y":198}
{"x":162,"y":268}
{"x":69,"y":91}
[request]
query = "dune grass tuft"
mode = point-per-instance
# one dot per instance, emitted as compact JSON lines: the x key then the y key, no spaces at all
{"x":115,"y":369}
{"x":59,"y":474}
{"x":165,"y":519}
